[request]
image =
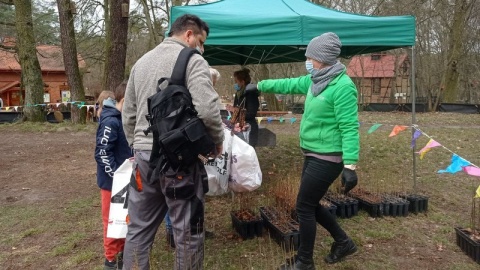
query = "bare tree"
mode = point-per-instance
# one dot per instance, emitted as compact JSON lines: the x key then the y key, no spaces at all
{"x":455,"y":49}
{"x":70,"y":59}
{"x":32,"y":80}
{"x":116,"y":48}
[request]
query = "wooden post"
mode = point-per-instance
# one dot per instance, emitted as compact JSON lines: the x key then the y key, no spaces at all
{"x":125,"y":10}
{"x":73,"y":7}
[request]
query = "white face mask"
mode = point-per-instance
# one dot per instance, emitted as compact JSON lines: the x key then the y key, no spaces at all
{"x":309,"y":66}
{"x":198,"y":48}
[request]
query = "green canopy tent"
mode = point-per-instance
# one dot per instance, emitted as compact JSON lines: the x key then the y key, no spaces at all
{"x":246,"y":32}
{"x":278,"y":31}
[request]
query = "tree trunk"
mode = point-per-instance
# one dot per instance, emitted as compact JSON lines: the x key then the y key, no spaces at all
{"x":108,"y":42}
{"x":32,"y":80}
{"x":455,"y":50}
{"x":151,"y":29}
{"x":117,"y":55}
{"x":70,"y":60}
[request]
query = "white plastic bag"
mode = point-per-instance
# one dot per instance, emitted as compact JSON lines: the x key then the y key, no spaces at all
{"x":245,"y":174}
{"x":117,"y":218}
{"x":218,"y":171}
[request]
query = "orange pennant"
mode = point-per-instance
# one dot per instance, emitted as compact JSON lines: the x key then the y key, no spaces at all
{"x":397,"y":129}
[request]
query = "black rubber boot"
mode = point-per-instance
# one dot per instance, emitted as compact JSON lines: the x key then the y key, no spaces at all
{"x":340,"y":250}
{"x":295,"y":263}
{"x":120,"y":261}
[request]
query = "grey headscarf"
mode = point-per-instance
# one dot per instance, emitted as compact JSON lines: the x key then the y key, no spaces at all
{"x":325,"y":49}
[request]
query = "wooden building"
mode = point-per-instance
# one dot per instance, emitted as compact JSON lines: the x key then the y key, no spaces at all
{"x":56,"y":88}
{"x":381,"y":78}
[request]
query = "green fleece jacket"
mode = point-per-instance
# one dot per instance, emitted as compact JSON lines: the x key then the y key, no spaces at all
{"x":330,"y":120}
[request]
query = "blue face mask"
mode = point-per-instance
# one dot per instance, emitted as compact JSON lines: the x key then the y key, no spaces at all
{"x":309,"y":66}
{"x":236,"y":87}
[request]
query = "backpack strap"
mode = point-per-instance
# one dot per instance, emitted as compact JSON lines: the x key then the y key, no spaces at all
{"x":180,"y":68}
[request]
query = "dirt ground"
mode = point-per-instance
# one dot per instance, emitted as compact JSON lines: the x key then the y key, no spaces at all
{"x":50,"y":213}
{"x":46,"y":170}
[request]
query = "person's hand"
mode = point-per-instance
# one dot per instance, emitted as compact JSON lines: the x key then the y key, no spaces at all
{"x":251,"y":87}
{"x":349,"y":180}
{"x":229,"y":107}
{"x":237,"y":128}
{"x":219,"y":149}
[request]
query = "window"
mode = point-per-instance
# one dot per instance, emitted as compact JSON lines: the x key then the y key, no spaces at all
{"x":46,"y":97}
{"x":65,"y":96}
{"x":376,"y":86}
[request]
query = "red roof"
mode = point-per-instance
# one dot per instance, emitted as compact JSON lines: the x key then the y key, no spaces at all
{"x":8,"y":86}
{"x":362,"y":66}
{"x":49,"y":56}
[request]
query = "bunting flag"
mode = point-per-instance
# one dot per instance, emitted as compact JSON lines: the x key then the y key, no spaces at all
{"x":373,"y":128}
{"x":293,"y":120}
{"x":259,"y":120}
{"x":16,"y":108}
{"x":58,"y":104}
{"x":477,"y":194}
{"x":457,"y":164}
{"x":397,"y":129}
{"x":432,"y":143}
{"x":7,"y":108}
{"x":416,"y":134}
{"x":281,"y":119}
{"x":269,"y":119}
{"x":472,"y":170}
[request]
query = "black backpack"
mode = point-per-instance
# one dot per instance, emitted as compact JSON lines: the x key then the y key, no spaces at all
{"x":179,"y":136}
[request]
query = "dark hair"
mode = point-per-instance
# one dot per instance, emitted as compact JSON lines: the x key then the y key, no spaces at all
{"x":119,"y":91}
{"x":243,"y":74}
{"x":188,"y":22}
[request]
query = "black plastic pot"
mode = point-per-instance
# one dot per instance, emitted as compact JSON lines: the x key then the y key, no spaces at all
{"x":247,"y":229}
{"x":284,"y":230}
{"x":418,"y":203}
{"x":345,"y":207}
{"x":373,"y":209}
{"x":467,"y":244}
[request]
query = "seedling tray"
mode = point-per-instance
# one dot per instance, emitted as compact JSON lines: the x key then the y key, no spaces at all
{"x":247,"y":229}
{"x":467,"y":244}
{"x":283,"y":229}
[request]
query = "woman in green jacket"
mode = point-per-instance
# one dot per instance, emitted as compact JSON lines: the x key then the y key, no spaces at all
{"x":329,"y":139}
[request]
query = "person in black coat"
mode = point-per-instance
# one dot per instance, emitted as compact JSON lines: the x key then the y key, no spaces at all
{"x":247,"y":100}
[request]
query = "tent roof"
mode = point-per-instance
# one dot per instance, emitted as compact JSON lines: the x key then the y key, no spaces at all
{"x":276,"y":31}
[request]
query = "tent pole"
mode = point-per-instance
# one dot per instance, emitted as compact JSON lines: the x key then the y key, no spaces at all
{"x":414,"y":121}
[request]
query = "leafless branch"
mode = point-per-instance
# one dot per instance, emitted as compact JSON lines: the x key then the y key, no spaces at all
{"x":6,"y":2}
{"x":7,"y":23}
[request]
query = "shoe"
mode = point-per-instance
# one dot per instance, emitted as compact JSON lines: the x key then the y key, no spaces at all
{"x":110,"y":265}
{"x":340,"y":250}
{"x":294,"y":263}
{"x":209,"y":234}
{"x":170,"y":240}
{"x":120,"y":261}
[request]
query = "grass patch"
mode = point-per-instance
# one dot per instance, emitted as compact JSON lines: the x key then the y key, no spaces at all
{"x":30,"y":232}
{"x":68,"y":243}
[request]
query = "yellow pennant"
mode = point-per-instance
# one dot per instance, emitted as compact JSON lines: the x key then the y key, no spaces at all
{"x":477,"y":195}
{"x":259,"y":120}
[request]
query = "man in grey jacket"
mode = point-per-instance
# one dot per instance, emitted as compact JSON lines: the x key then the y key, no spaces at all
{"x":149,"y":197}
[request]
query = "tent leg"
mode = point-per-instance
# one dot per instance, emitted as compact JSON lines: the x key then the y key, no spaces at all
{"x":414,"y":120}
